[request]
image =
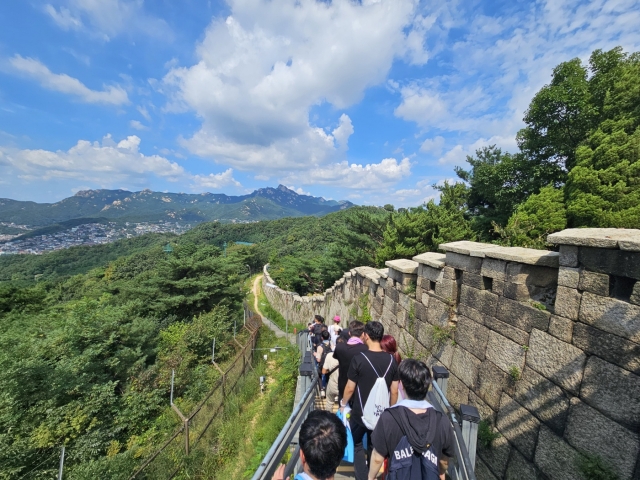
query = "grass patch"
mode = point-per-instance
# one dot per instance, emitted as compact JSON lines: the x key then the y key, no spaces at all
{"x":486,"y":434}
{"x":592,"y":467}
{"x":275,"y":316}
{"x":236,"y":442}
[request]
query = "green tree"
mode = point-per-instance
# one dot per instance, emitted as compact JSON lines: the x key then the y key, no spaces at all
{"x":499,"y":182}
{"x":421,"y":229}
{"x":541,"y":214}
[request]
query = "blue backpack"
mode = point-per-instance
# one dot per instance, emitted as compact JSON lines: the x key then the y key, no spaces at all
{"x":407,"y":464}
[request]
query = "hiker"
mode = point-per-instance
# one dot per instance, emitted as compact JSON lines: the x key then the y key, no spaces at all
{"x":389,"y":345}
{"x":322,"y":441}
{"x":318,"y":326}
{"x":330,"y":371}
{"x":415,"y":437}
{"x":344,"y":352}
{"x":320,"y":355}
{"x":372,"y":386}
{"x":334,"y":330}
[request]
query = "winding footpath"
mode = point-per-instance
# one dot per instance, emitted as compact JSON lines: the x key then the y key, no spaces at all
{"x":279,"y":333}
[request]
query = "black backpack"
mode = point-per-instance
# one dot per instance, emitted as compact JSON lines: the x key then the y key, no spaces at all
{"x":407,"y":464}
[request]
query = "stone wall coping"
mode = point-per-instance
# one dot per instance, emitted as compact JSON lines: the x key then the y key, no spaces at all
{"x":370,"y":273}
{"x":403,"y":265}
{"x":464,"y":247}
{"x":623,"y":238}
{"x":432,"y":259}
{"x":529,"y":256}
{"x":383,"y":272}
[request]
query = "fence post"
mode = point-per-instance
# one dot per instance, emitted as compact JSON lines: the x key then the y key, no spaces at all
{"x":186,"y":436}
{"x":61,"y":464}
{"x":470,"y":420}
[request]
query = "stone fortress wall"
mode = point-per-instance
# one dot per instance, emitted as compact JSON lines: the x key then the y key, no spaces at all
{"x":545,"y":344}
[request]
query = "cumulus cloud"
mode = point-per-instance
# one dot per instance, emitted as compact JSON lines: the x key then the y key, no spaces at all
{"x":433,"y":145}
{"x":458,"y":154}
{"x":108,"y":18}
{"x":137,"y":125}
{"x":106,"y":164}
{"x":60,"y":82}
{"x":354,"y":176}
{"x":261,"y":69}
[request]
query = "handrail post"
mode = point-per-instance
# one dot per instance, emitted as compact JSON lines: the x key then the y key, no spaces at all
{"x":470,"y":420}
{"x":441,"y":377}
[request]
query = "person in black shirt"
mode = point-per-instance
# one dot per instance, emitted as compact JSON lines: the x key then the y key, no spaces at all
{"x":363,"y":372}
{"x":412,"y":434}
{"x":346,"y":351}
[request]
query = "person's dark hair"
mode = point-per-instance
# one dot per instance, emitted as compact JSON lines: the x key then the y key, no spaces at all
{"x":322,"y":439}
{"x":389,"y":345}
{"x":340,"y":339}
{"x":325,"y":335}
{"x":319,"y":318}
{"x":356,"y":328}
{"x":375,"y":330}
{"x":415,"y":377}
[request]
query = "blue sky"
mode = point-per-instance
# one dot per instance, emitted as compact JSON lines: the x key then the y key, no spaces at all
{"x":371,"y":101}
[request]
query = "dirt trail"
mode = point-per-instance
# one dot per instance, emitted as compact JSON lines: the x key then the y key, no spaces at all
{"x":256,"y":286}
{"x":265,"y":320}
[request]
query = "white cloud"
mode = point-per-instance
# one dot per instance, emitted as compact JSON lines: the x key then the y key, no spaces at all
{"x":137,"y":125}
{"x":433,"y":145}
{"x":60,"y":82}
{"x":107,"y":19}
{"x":144,"y":112}
{"x":458,"y":154}
{"x":106,"y":164}
{"x":354,"y":176}
{"x":261,"y":69}
{"x":298,"y":190}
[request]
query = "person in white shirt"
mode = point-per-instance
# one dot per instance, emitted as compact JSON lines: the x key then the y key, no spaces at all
{"x":334,"y":331}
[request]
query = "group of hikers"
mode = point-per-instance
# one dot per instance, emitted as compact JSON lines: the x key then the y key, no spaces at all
{"x":382,"y":406}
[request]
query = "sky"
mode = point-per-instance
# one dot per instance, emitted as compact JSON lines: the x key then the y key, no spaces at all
{"x":372,"y":101}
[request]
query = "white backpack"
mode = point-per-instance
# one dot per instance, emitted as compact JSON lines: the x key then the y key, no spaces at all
{"x":378,"y":400}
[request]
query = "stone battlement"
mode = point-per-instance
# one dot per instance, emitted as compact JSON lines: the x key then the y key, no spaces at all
{"x":545,"y":344}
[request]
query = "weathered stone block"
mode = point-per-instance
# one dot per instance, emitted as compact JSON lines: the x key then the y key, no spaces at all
{"x":504,"y":353}
{"x":613,"y":391}
{"x":522,"y":293}
{"x":464,"y":262}
{"x":555,"y":458}
{"x":569,"y":277}
{"x":449,"y":273}
{"x":392,"y":293}
{"x":521,"y":469}
{"x":425,"y":299}
{"x":420,"y":311}
{"x":542,"y":398}
{"x":567,"y":303}
{"x":531,"y":275}
{"x":444,"y":354}
{"x":498,"y":287}
{"x":491,"y":382}
{"x":465,"y":366}
{"x":425,"y":336}
{"x":590,"y":431}
{"x":418,"y":293}
{"x":447,"y":289}
{"x":524,"y":317}
{"x":473,"y":280}
{"x":611,"y":315}
{"x":430,"y":273}
{"x":568,"y":256}
{"x":558,"y":361}
{"x":482,"y":471}
{"x":594,"y":282}
{"x":471,"y":313}
{"x":438,"y":312}
{"x":402,"y":317}
{"x":561,"y":328}
{"x":404,"y":301}
{"x":518,"y":426}
{"x":432,"y":259}
{"x":616,"y":262}
{"x":376,"y":303}
{"x":609,"y":347}
{"x":472,"y":336}
{"x":494,"y":268}
{"x":482,"y":300}
{"x":485,"y":411}
{"x":497,"y":456}
{"x":519,"y":336}
{"x":457,"y":391}
{"x":635,"y":294}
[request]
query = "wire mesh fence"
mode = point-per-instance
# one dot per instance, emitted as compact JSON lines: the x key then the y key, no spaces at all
{"x":165,"y":462}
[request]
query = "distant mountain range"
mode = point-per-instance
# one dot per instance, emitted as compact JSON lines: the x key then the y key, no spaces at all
{"x":147,"y":206}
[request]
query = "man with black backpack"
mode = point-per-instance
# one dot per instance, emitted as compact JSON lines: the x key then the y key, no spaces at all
{"x":321,"y":354}
{"x":415,"y":437}
{"x":372,"y":386}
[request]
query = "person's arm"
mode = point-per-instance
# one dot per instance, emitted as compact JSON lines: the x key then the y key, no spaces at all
{"x":376,"y":462}
{"x":318,"y":354}
{"x":443,"y":465}
{"x":394,"y":393}
{"x":348,"y":393}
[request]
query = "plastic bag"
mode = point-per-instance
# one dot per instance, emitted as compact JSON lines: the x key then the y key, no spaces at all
{"x":349,"y":451}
